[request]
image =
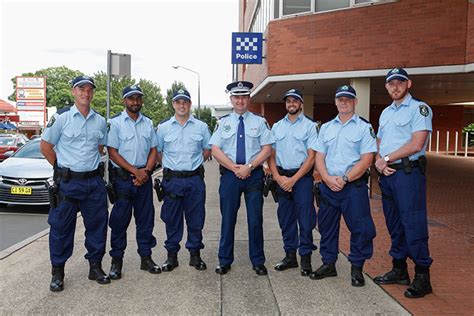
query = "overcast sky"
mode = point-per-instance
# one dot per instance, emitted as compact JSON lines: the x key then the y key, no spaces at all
{"x":158,"y":34}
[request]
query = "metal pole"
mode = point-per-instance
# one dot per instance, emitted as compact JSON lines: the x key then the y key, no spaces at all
{"x":456,"y":144}
{"x":199,"y":96}
{"x":437,"y":142}
{"x":465,"y":144}
{"x":447,"y":142}
{"x":429,"y":147}
{"x":109,"y":70}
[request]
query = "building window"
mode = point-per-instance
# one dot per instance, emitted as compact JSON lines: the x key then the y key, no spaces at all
{"x":262,"y":15}
{"x":296,"y":6}
{"x":327,"y":5}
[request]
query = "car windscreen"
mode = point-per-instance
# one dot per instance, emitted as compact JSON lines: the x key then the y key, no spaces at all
{"x":7,"y":141}
{"x":30,"y":150}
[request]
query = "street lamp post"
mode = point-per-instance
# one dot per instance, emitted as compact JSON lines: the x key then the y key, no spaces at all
{"x":199,"y":86}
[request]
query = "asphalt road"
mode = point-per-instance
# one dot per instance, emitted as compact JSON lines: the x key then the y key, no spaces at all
{"x":18,"y":222}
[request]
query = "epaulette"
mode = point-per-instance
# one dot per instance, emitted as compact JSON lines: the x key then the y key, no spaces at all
{"x":258,"y":114}
{"x":416,"y":99}
{"x":309,"y":118}
{"x":146,"y":116}
{"x":166,"y":119}
{"x":116,"y":115}
{"x":363,"y":119}
{"x":63,"y":110}
{"x":224,"y":116}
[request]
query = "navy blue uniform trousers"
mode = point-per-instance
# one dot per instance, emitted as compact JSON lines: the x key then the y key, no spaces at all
{"x":184,"y":196}
{"x":140,"y":198}
{"x":230,"y":191}
{"x":353,"y":203}
{"x":297,"y":211}
{"x":404,"y":207}
{"x":90,"y":198}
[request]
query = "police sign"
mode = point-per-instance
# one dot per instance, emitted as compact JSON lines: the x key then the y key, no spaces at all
{"x":247,"y":48}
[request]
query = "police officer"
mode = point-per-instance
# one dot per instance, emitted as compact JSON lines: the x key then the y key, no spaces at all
{"x":345,"y":150}
{"x":183,"y":146}
{"x":291,"y":164}
{"x":241,"y":143}
{"x":402,"y":137}
{"x":131,"y":144}
{"x":73,"y":142}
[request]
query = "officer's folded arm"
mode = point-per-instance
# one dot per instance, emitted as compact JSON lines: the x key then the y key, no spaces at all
{"x":416,"y":144}
{"x":48,"y":152}
{"x":360,"y":167}
{"x":222,"y":159}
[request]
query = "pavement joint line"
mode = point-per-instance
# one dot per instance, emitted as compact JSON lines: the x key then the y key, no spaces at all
{"x":274,"y":296}
{"x":19,"y":245}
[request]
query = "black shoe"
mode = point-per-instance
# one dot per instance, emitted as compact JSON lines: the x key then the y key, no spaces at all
{"x":260,"y":269}
{"x":149,"y":265}
{"x":288,"y":262}
{"x":357,"y":278}
{"x":306,"y":268}
{"x":171,"y":262}
{"x":420,"y":286}
{"x":97,"y":274}
{"x":222,"y":269}
{"x":196,"y":261}
{"x":324,"y":271}
{"x":394,"y":276}
{"x":57,"y":281}
{"x":116,"y":268}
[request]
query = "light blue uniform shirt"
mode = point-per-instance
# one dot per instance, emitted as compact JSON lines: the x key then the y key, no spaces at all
{"x":182,"y":146}
{"x":397,"y":124}
{"x":257,"y":134}
{"x":132,"y":139}
{"x":343,"y":144}
{"x":292,"y":140}
{"x":76,"y":138}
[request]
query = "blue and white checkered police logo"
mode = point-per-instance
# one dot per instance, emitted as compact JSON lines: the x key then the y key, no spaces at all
{"x":293,"y":93}
{"x":82,"y":80}
{"x":181,"y":94}
{"x":247,"y":48}
{"x":239,"y":88}
{"x":131,"y":90}
{"x":397,"y":73}
{"x":346,"y":91}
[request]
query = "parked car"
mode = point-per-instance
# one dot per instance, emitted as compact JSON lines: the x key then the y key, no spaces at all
{"x":9,"y":143}
{"x":23,"y":176}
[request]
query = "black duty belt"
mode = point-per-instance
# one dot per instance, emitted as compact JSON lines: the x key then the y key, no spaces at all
{"x":81,"y":175}
{"x":180,"y":174}
{"x":399,"y":166}
{"x":291,"y":172}
{"x":223,"y":169}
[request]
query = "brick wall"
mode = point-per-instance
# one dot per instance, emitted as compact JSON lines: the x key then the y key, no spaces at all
{"x":470,"y":34}
{"x":408,"y":33}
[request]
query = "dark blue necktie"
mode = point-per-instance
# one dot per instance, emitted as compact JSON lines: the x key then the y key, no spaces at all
{"x":240,"y":157}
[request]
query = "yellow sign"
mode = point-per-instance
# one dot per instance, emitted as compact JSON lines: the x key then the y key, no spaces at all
{"x":21,"y":190}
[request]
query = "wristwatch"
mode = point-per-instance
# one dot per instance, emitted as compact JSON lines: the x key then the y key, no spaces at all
{"x":250,"y":166}
{"x":386,"y":158}
{"x":345,"y":179}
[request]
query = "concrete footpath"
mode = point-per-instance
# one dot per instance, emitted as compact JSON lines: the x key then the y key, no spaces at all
{"x":25,"y":277}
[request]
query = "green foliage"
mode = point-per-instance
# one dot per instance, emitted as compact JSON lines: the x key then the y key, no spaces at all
{"x":58,"y":92}
{"x":206,"y":116}
{"x":468,"y":128}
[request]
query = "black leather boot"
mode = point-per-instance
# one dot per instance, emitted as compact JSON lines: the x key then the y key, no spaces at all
{"x":398,"y":274}
{"x":116,"y":268}
{"x":57,"y":281}
{"x":196,"y":261}
{"x":149,"y":265}
{"x":171,"y":262}
{"x":97,"y":274}
{"x":324,"y":271}
{"x":306,"y":268}
{"x":357,"y":277}
{"x":288,"y":262}
{"x":421,"y":284}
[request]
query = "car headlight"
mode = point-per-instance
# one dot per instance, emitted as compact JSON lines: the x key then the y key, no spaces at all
{"x":50,"y":181}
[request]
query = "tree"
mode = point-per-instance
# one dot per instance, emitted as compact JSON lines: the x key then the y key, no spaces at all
{"x":58,"y":91}
{"x":206,"y":116}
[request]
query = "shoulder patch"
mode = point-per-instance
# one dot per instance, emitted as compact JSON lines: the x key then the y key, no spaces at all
{"x":309,"y":118}
{"x":364,"y":119}
{"x":424,"y":110}
{"x":51,"y":121}
{"x":318,"y":126}
{"x":63,"y":110}
{"x":372,"y":132}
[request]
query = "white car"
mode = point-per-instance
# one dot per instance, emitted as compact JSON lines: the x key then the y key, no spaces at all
{"x":23,"y":176}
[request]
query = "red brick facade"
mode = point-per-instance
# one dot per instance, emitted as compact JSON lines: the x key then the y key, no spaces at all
{"x":470,"y":35}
